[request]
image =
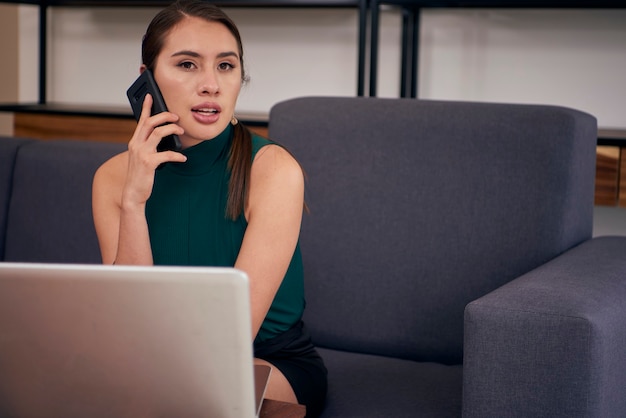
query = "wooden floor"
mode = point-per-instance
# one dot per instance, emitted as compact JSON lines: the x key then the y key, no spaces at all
{"x":610,"y":168}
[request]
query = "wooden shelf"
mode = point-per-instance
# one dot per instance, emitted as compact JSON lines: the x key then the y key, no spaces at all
{"x":101,"y":111}
{"x":611,"y":168}
{"x":92,"y":123}
{"x":68,"y":109}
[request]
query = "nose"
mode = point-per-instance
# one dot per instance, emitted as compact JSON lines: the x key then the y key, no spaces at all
{"x":209,"y":84}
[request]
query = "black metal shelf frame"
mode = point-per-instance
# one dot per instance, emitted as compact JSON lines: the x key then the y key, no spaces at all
{"x":411,"y":27}
{"x":361,"y":5}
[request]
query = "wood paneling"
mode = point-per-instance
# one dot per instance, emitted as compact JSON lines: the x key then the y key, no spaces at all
{"x":607,"y":176}
{"x":622,"y":180}
{"x":92,"y":128}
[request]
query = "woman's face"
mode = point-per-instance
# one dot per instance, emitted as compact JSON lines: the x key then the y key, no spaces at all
{"x":199,"y":74}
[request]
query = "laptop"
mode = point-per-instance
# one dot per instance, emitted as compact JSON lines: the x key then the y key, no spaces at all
{"x":126,"y":341}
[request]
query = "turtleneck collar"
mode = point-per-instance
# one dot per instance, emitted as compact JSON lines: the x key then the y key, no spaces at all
{"x":202,"y":157}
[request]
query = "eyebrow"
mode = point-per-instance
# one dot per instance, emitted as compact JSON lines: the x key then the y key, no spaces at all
{"x":197,"y":55}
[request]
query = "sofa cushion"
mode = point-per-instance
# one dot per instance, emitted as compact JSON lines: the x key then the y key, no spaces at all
{"x":50,"y":217}
{"x":398,"y":388}
{"x":8,"y":152}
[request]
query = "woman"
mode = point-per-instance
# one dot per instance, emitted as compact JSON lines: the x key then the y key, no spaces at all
{"x":229,"y":198}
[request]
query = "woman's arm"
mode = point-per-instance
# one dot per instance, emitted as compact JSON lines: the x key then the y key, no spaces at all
{"x":274,"y":213}
{"x":122,"y":186}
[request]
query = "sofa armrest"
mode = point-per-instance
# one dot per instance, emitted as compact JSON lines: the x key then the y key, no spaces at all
{"x":551,"y":343}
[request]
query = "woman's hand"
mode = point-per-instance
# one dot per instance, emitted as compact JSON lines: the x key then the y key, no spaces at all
{"x":122,"y":186}
{"x":143,"y":157}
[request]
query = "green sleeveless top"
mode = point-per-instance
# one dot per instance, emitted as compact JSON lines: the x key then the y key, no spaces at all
{"x":187,"y":221}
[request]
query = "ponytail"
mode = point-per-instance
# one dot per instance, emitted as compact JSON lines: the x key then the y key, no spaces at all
{"x":240,"y":166}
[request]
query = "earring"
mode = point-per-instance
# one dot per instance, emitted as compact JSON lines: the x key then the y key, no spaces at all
{"x":234,"y":121}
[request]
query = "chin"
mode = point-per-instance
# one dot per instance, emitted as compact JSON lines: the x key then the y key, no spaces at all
{"x":217,"y":129}
{"x":207,"y":134}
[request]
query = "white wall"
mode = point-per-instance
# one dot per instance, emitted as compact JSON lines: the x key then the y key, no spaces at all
{"x":573,"y":58}
{"x":569,"y":57}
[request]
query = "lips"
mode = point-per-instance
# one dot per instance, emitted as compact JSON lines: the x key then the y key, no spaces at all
{"x":206,"y":112}
{"x":207,"y":108}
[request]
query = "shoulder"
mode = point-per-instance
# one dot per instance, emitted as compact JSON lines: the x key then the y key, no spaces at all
{"x":272,"y":159}
{"x":276,"y":185}
{"x":112,"y":173}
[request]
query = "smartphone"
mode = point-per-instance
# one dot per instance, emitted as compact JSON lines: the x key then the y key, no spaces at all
{"x":136,"y":93}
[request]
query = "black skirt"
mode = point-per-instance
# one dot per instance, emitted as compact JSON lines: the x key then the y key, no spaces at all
{"x":293,"y":353}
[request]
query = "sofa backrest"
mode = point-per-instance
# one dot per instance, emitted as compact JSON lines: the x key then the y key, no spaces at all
{"x":8,"y":153}
{"x":49,"y":214}
{"x":418,"y":207}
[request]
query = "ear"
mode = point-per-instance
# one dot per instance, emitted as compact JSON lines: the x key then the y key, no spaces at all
{"x":142,"y":68}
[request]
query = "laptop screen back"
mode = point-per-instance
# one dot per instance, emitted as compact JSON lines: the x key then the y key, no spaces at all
{"x":113,"y":341}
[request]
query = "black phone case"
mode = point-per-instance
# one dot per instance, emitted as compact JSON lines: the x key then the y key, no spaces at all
{"x":137,"y":92}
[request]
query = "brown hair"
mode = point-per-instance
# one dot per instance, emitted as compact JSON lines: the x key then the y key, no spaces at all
{"x":240,"y":159}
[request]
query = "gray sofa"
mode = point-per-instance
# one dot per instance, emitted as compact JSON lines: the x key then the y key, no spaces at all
{"x":45,"y":199}
{"x":449,"y":263}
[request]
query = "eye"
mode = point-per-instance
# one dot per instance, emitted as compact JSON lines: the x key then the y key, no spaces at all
{"x":187,"y":65}
{"x":225,"y":66}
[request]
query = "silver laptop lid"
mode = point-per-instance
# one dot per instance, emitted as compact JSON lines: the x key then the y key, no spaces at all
{"x":115,"y":341}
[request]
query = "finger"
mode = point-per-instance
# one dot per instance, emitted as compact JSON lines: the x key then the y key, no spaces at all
{"x":146,"y":107}
{"x":162,"y":119}
{"x":142,"y":130}
{"x":161,"y":132}
{"x":157,"y":119}
{"x":160,"y":158}
{"x":172,"y":156}
{"x":146,"y":127}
